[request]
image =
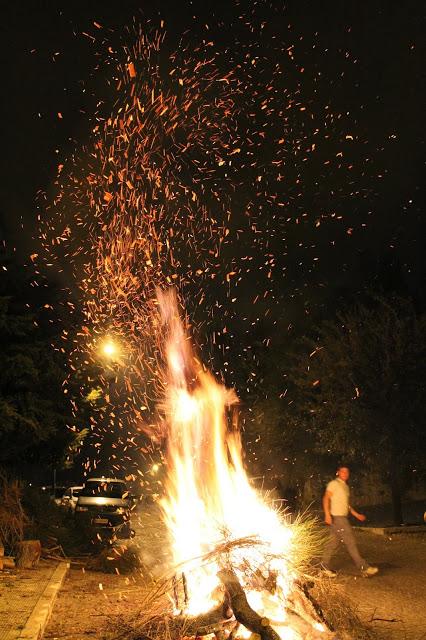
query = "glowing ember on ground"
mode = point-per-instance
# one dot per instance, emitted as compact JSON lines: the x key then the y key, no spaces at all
{"x":210,"y":503}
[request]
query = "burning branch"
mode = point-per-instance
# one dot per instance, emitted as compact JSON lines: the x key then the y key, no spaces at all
{"x":241,"y":608}
{"x":300,"y":614}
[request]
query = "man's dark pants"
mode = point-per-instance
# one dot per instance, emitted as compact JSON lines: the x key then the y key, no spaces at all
{"x":341,"y":533}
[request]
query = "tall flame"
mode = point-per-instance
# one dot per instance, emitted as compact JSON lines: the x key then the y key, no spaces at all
{"x":209,"y":500}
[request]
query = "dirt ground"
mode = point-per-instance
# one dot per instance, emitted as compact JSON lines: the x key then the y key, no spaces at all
{"x":391,"y":604}
{"x":93,"y":604}
{"x":90,"y":604}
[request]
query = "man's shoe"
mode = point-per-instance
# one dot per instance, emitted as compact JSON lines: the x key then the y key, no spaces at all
{"x":369,"y":571}
{"x":328,"y":572}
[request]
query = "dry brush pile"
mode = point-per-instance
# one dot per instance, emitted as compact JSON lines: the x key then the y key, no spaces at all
{"x":12,"y":515}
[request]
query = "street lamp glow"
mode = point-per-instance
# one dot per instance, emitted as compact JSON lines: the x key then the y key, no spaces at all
{"x":109,"y":349}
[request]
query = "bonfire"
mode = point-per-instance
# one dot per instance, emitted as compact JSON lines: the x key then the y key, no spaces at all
{"x":238,"y":562}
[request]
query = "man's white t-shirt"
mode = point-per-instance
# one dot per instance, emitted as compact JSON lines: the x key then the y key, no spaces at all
{"x":339,"y":502}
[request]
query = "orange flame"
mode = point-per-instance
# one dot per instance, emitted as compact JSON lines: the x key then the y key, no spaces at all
{"x":209,"y":499}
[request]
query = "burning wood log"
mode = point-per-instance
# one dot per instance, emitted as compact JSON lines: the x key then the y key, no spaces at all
{"x":301,"y":615}
{"x":207,"y":623}
{"x":242,"y":610}
{"x":303,"y":604}
{"x":306,"y":629}
{"x":175,"y":627}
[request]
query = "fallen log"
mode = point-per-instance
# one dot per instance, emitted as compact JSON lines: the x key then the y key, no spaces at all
{"x":242,"y":610}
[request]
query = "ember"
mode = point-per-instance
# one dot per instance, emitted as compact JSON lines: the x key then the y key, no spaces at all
{"x":152,"y":203}
{"x":241,"y":559}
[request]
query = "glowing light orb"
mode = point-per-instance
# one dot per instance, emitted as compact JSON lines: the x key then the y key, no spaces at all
{"x":109,"y":349}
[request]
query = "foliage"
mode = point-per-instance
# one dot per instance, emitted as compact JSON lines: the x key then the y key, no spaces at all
{"x":360,"y":387}
{"x":34,"y":413}
{"x":51,"y":524}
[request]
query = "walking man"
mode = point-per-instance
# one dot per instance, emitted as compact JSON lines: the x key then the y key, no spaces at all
{"x":337,"y":507}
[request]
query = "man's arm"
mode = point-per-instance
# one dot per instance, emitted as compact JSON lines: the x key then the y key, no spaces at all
{"x":359,"y":516}
{"x":326,"y":506}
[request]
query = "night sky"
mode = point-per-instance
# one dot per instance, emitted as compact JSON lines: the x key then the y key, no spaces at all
{"x":369,"y":56}
{"x":321,"y":170}
{"x":360,"y":61}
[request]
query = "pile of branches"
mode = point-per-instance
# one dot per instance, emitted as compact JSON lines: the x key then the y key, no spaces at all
{"x":302,"y":615}
{"x":12,"y":515}
{"x":158,"y":619}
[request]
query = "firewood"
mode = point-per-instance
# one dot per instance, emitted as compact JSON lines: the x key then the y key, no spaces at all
{"x":305,"y":586}
{"x":234,"y":631}
{"x":28,"y":553}
{"x":298,"y":604}
{"x":242,"y":610}
{"x":218,"y":619}
{"x":304,"y":614}
{"x":204,"y":624}
{"x":306,"y":629}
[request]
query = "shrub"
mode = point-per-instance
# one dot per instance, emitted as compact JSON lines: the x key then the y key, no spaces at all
{"x":12,"y":515}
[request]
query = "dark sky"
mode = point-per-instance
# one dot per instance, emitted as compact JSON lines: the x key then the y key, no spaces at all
{"x":364,"y":61}
{"x":49,"y":67}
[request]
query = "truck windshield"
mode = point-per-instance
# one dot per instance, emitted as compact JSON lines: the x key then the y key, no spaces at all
{"x":104,"y":489}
